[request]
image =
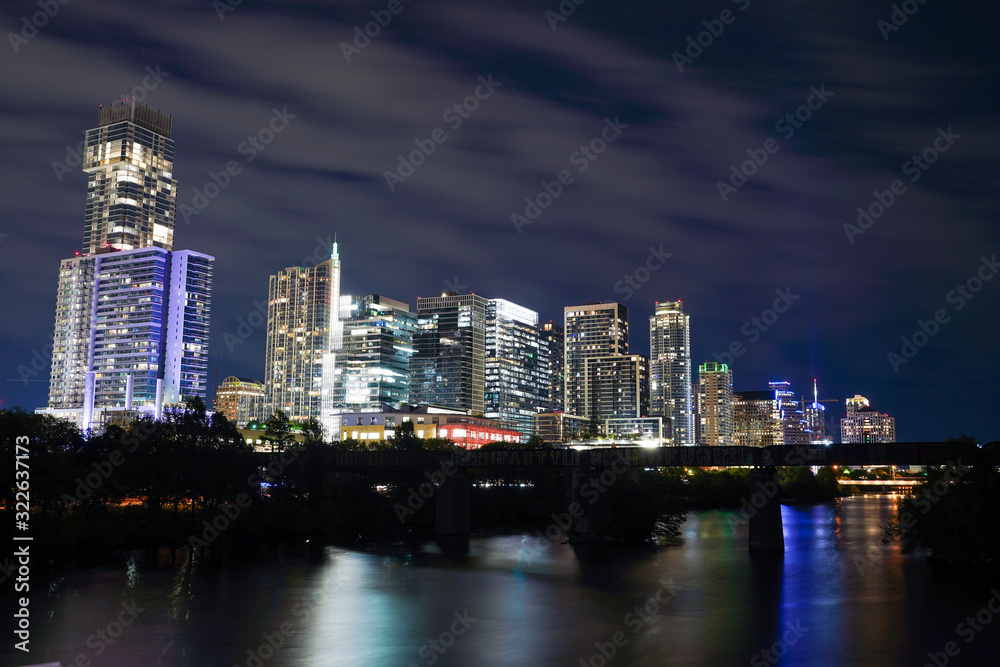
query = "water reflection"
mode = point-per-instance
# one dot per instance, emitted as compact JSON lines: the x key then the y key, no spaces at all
{"x":835,"y":597}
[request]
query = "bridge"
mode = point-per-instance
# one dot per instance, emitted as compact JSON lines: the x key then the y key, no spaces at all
{"x":587,"y":467}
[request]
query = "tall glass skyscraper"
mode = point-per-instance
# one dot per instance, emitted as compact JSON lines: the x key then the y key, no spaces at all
{"x":132,"y":314}
{"x":375,"y":355}
{"x":715,"y":405}
{"x":131,"y":191}
{"x":517,"y":366}
{"x":670,"y":369}
{"x":449,"y":366}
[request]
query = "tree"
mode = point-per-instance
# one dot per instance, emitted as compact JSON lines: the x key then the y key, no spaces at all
{"x":406,"y":438}
{"x":278,"y":431}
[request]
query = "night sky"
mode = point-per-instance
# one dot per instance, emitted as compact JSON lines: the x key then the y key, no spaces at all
{"x":655,"y":187}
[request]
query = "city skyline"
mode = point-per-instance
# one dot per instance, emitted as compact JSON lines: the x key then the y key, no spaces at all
{"x":275,"y":152}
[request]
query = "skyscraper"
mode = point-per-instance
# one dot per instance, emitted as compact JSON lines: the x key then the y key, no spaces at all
{"x":793,"y":422}
{"x":375,"y":355}
{"x":449,"y":366}
{"x":715,"y":405}
{"x":516,"y":366}
{"x":131,"y":192}
{"x":670,"y":370}
{"x":554,"y":336}
{"x":298,"y":322}
{"x":333,"y":361}
{"x":815,"y":417}
{"x":132,"y":315}
{"x":591,"y":331}
{"x":617,"y":387}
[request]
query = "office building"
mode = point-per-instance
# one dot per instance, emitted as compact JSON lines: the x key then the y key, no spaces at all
{"x":449,"y":364}
{"x":241,"y":400}
{"x":516,"y":366}
{"x":297,"y":340}
{"x":815,"y":417}
{"x":596,"y":330}
{"x":715,"y":405}
{"x":863,"y":424}
{"x":429,"y":421}
{"x":757,"y":419}
{"x":559,"y":427}
{"x":793,"y":422}
{"x":616,"y":387}
{"x":670,"y":370}
{"x":375,"y":354}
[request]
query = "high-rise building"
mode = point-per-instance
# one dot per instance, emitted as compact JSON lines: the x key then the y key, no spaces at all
{"x":241,"y":400}
{"x":616,"y":387}
{"x":298,"y":322}
{"x":516,"y":366}
{"x":670,"y":370}
{"x":333,"y":358}
{"x":554,"y":336}
{"x":793,"y":422}
{"x":864,"y":424}
{"x":138,"y":320}
{"x":715,"y":405}
{"x":132,"y":314}
{"x":131,"y":191}
{"x":559,"y":427}
{"x":449,"y":367}
{"x":591,"y":331}
{"x":375,"y":355}
{"x":757,"y":419}
{"x":815,"y":418}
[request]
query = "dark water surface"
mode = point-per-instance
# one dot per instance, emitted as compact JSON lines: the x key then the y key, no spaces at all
{"x":836,"y":597}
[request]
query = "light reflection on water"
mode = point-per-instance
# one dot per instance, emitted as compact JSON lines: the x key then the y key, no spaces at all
{"x":839,"y":597}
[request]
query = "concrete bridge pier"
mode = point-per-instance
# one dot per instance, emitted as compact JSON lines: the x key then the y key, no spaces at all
{"x":765,"y":523}
{"x":452,"y":510}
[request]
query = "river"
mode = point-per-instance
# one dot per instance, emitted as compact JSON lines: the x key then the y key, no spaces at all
{"x":836,"y":597}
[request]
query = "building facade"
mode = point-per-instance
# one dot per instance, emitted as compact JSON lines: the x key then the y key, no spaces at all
{"x":516,"y":366}
{"x":241,"y":400}
{"x":591,"y":331}
{"x":757,"y":419}
{"x":131,"y":192}
{"x":555,"y":337}
{"x":715,"y":405}
{"x":429,"y":421}
{"x":793,"y":422}
{"x":864,"y":424}
{"x":559,"y":427}
{"x":298,"y":320}
{"x":449,"y":364}
{"x":376,"y":352}
{"x":670,"y":370}
{"x":617,"y":387}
